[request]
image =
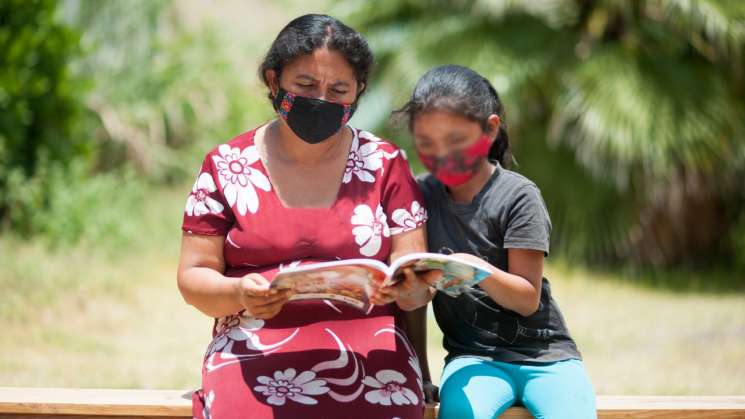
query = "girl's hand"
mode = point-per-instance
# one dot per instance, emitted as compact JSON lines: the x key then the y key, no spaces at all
{"x":466,"y":257}
{"x":258,"y":299}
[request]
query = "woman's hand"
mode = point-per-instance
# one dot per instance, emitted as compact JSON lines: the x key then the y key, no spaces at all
{"x":411,"y":292}
{"x":431,"y":392}
{"x":258,"y":299}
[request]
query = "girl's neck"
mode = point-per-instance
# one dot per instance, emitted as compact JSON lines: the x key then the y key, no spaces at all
{"x":464,"y":193}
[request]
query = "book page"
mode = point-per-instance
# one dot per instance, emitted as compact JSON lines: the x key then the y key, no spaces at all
{"x":349,"y":283}
{"x":457,"y":275}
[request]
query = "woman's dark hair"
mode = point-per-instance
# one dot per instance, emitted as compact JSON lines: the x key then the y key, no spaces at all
{"x":464,"y":92}
{"x":307,"y":33}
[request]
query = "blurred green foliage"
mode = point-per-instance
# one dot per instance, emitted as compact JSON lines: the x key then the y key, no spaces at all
{"x":65,"y":204}
{"x":98,"y":102}
{"x":160,"y":89}
{"x":40,"y":100}
{"x":628,"y":114}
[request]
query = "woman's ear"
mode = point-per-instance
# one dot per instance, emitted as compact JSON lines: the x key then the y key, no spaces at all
{"x":273,"y":82}
{"x":492,"y":125}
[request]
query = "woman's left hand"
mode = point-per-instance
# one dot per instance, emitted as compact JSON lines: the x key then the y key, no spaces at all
{"x":431,"y":392}
{"x":413,"y":291}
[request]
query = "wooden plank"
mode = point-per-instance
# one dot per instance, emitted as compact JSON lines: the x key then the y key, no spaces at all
{"x":430,"y":412}
{"x":120,"y":404}
{"x":679,"y":407}
{"x":61,"y":416}
{"x":95,"y":402}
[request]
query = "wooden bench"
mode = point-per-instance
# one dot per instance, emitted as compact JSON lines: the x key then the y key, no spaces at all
{"x":99,"y":403}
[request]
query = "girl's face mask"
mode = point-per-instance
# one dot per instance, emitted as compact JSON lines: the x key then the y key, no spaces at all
{"x":312,"y":120}
{"x":461,"y":165}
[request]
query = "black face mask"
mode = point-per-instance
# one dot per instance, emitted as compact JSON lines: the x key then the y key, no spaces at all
{"x":313,"y":120}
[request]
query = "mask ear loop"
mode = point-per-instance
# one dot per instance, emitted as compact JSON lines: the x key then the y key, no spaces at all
{"x":286,"y":105}
{"x":347,"y":114}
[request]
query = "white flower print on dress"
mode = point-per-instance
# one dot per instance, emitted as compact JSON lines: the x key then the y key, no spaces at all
{"x":207,"y":411}
{"x":388,"y":385}
{"x":414,"y":364}
{"x":370,"y":228}
{"x":367,"y":135}
{"x":232,"y":329}
{"x":408,"y":221}
{"x":363,"y":161}
{"x":199,"y":201}
{"x":293,"y":264}
{"x":372,"y":137}
{"x":236,"y":330}
{"x":238,"y":179}
{"x":286,"y":385}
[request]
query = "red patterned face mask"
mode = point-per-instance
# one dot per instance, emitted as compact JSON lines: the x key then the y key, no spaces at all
{"x":459,"y":166}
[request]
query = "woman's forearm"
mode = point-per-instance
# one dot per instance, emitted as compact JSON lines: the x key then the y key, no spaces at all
{"x":209,"y":291}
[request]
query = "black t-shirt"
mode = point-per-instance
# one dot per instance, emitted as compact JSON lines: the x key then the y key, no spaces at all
{"x":508,"y":212}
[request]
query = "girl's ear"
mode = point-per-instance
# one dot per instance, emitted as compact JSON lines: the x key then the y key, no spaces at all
{"x":492,"y":125}
{"x":360,"y":88}
{"x":273,"y":81}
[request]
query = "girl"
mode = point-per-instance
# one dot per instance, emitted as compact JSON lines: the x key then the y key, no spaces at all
{"x":506,"y":339}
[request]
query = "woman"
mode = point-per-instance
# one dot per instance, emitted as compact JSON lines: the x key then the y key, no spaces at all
{"x":303,"y":188}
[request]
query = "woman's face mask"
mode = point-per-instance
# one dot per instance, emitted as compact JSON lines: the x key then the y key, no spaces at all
{"x":312,"y":120}
{"x":459,"y":166}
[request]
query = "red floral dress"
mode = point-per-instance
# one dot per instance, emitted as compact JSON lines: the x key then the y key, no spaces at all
{"x":315,"y":359}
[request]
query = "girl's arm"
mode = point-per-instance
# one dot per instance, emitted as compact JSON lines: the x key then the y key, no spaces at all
{"x":518,"y":289}
{"x":203,"y":285}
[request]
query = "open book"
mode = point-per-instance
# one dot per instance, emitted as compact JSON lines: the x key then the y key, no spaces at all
{"x":353,"y":281}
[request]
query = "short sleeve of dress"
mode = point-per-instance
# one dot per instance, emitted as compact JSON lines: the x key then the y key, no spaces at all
{"x":403,"y":202}
{"x":528,"y":223}
{"x":206,"y":210}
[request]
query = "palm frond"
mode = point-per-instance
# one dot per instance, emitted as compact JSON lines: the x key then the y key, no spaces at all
{"x":716,"y":24}
{"x":622,"y":112}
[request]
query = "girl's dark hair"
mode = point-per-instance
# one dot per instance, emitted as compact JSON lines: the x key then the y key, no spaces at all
{"x":464,"y":92}
{"x":307,"y":33}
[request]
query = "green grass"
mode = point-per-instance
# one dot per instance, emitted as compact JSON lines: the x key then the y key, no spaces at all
{"x":641,"y":340}
{"x":96,"y":316}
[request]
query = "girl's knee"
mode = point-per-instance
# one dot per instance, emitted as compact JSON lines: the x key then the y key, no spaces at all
{"x":475,"y":397}
{"x":565,"y":391}
{"x":462,"y":407}
{"x":569,"y":410}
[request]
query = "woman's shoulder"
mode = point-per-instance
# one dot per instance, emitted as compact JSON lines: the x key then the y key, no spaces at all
{"x":367,"y":137}
{"x":376,"y":153}
{"x":238,"y":144}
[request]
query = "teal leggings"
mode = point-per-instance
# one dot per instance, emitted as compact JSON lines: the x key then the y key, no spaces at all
{"x":472,"y":387}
